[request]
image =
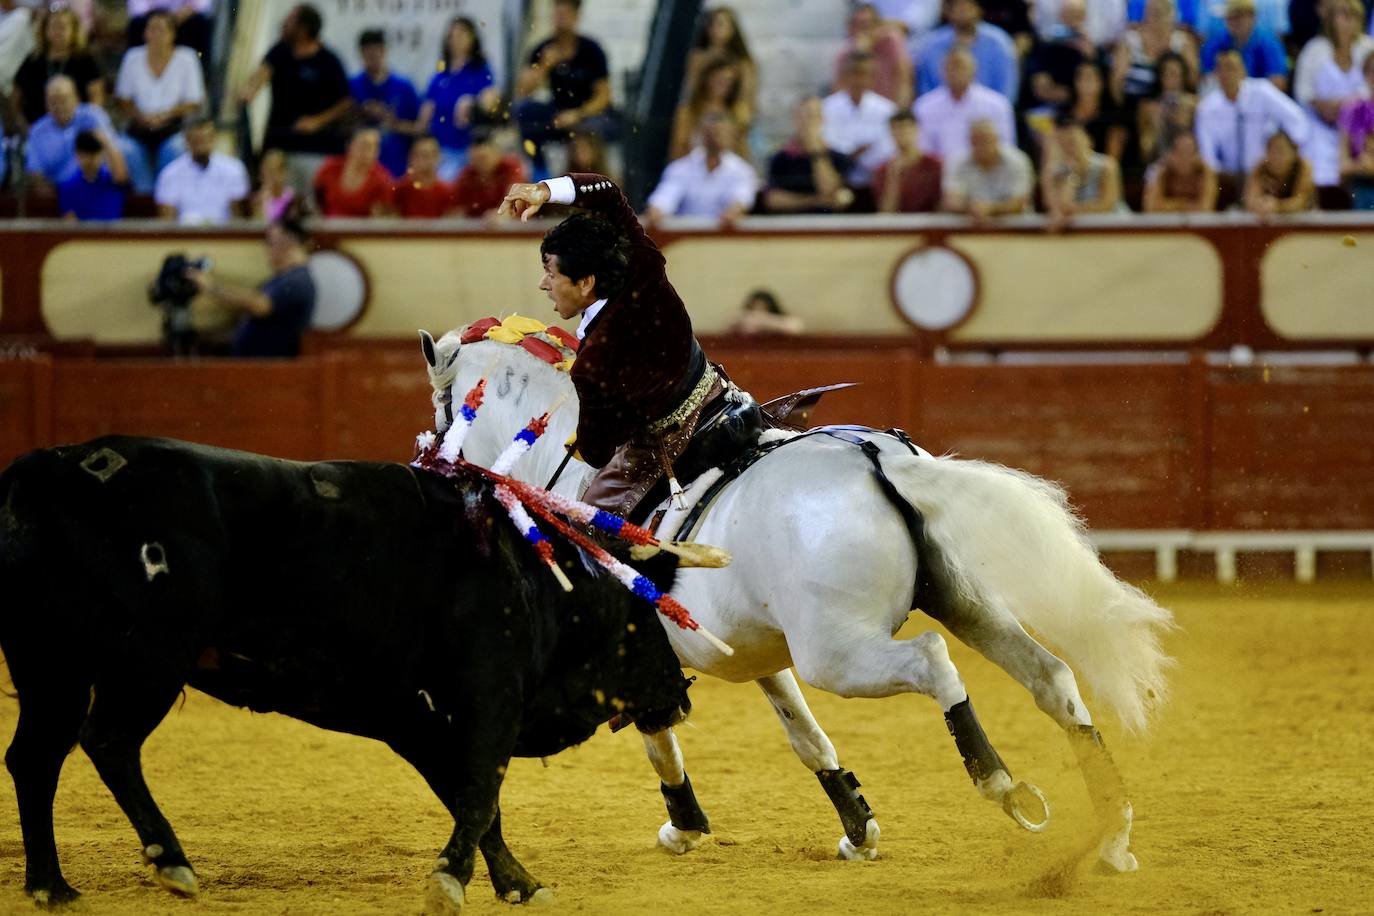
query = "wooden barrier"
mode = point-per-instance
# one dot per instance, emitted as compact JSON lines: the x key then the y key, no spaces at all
{"x":1158,"y":282}
{"x":1160,"y":446}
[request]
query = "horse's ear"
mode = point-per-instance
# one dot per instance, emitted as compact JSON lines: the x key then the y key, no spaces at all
{"x":427,"y":346}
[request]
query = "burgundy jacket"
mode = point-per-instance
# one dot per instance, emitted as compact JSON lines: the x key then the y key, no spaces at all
{"x":639,"y":359}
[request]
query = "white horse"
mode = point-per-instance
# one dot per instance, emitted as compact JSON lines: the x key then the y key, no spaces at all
{"x":826,"y":569}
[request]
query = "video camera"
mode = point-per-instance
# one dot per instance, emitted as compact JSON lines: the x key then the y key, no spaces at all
{"x":172,"y":292}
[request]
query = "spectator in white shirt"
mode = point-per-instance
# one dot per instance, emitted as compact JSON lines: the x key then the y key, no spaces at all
{"x":710,"y":180}
{"x":191,"y":18}
{"x":994,"y":179}
{"x":1329,"y":74}
{"x":158,"y":86}
{"x":203,"y":186}
{"x":947,"y":113}
{"x":16,"y":41}
{"x":854,"y":121}
{"x":1236,"y":119}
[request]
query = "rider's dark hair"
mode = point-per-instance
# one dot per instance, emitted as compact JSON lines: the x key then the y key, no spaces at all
{"x":587,"y":245}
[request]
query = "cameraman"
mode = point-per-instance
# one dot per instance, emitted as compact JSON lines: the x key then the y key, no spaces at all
{"x":277,"y":313}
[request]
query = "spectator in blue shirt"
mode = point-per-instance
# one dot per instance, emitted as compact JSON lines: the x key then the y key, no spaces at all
{"x":455,"y":96}
{"x":96,"y":191}
{"x":1264,"y":56}
{"x":51,"y":158}
{"x":993,"y":50}
{"x":1209,"y":16}
{"x":388,"y":102}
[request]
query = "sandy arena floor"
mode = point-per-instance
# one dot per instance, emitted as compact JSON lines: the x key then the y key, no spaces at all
{"x":1252,"y":795}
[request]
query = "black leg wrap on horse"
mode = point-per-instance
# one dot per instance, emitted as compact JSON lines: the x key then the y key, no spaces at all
{"x":842,"y":787}
{"x":1099,"y":770}
{"x":980,"y":758}
{"x":683,"y":809}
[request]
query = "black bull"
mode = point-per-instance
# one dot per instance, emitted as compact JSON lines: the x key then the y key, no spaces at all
{"x":364,"y":598}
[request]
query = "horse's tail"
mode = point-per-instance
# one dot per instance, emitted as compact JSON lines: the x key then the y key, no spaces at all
{"x":1009,"y":539}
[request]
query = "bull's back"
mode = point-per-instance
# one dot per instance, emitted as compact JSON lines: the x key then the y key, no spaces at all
{"x":127,"y":535}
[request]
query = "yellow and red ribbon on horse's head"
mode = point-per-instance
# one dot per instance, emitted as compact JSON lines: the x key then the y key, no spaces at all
{"x":554,"y":346}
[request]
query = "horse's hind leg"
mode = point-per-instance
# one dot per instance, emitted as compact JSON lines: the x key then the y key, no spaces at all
{"x":122,"y":716}
{"x":1000,"y":638}
{"x":50,"y":718}
{"x":686,"y":821}
{"x":817,"y":753}
{"x":875,"y":665}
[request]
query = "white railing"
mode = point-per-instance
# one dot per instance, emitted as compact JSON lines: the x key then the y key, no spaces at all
{"x":1224,"y":545}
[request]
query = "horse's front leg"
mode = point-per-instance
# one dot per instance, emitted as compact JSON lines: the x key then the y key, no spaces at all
{"x":813,"y":748}
{"x":687,"y":823}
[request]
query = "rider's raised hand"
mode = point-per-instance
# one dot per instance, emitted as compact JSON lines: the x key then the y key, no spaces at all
{"x":524,"y":200}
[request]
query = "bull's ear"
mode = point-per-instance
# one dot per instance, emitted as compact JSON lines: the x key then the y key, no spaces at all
{"x":427,"y":346}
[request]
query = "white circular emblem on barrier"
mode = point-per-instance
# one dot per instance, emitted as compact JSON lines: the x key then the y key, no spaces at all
{"x":340,"y":290}
{"x":934,"y":288}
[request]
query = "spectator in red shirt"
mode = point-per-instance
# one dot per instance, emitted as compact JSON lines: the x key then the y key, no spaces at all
{"x":484,"y":181}
{"x":355,"y":184}
{"x":909,"y":182}
{"x":420,"y":194}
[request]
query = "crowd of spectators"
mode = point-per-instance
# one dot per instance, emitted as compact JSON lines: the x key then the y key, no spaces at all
{"x":335,"y":145}
{"x":978,"y":107}
{"x":1068,"y":107}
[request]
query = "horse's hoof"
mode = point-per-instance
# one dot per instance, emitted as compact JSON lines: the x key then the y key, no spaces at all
{"x":179,"y":879}
{"x":995,"y":787}
{"x":1118,"y":863}
{"x":1114,"y":852}
{"x":866,"y":852}
{"x":445,"y":896}
{"x":1026,"y":805}
{"x":678,"y":841}
{"x":541,"y":897}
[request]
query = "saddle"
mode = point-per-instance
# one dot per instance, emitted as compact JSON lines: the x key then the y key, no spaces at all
{"x":734,"y":428}
{"x":726,"y":428}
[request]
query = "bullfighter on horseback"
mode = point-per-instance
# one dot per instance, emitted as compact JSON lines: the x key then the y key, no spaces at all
{"x":643,"y":383}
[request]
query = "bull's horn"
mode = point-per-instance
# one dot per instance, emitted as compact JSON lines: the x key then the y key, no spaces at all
{"x":688,"y":554}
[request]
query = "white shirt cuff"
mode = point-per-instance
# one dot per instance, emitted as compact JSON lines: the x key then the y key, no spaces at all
{"x":561,"y":190}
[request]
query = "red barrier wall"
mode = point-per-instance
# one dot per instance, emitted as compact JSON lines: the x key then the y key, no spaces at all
{"x":1138,"y":446}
